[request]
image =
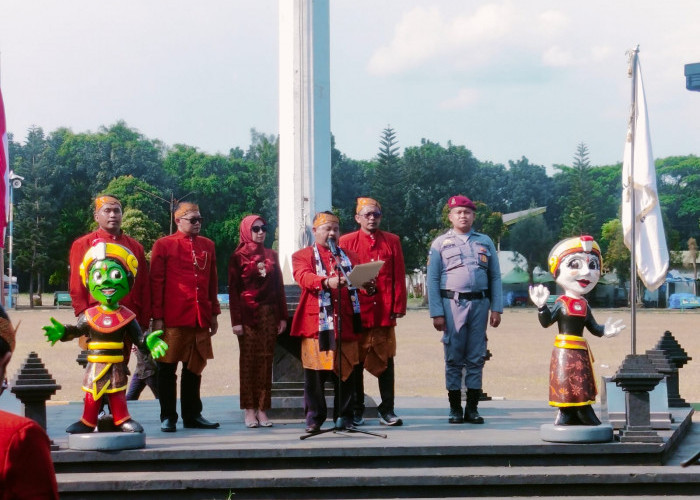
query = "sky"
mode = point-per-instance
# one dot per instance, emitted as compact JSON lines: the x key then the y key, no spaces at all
{"x":505,"y":79}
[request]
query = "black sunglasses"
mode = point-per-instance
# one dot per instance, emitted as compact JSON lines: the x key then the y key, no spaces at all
{"x":257,"y":229}
{"x":194,"y":220}
{"x":369,"y":215}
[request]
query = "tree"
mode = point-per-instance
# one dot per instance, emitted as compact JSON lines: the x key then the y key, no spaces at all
{"x":140,"y":227}
{"x":387,"y":181}
{"x":579,"y":215}
{"x":616,"y":256}
{"x":33,"y":232}
{"x":526,"y":186}
{"x":532,"y":238}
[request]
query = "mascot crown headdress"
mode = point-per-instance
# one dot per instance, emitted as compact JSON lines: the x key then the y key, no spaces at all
{"x":102,"y":250}
{"x":576,"y":244}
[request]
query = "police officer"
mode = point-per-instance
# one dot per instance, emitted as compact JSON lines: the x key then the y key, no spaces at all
{"x":464,"y":282}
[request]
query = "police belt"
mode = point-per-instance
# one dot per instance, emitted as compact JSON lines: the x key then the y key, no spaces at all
{"x":449,"y":294}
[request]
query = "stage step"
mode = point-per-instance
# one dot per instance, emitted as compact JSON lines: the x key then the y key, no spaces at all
{"x":436,"y":482}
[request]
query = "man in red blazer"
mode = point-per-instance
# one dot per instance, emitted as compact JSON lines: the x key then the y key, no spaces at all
{"x":108,"y":215}
{"x":184,"y":304}
{"x":380,"y":310}
{"x":319,"y":325}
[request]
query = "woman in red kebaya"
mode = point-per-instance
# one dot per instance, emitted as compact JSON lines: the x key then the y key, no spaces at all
{"x":258,"y":314}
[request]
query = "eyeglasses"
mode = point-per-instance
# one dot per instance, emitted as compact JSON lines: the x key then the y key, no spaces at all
{"x":369,"y":215}
{"x":194,"y":220}
{"x":257,"y":229}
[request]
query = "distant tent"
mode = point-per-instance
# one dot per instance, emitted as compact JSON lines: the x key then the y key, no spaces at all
{"x":517,"y":275}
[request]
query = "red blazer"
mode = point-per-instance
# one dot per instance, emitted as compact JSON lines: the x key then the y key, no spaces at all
{"x":138,"y":299}
{"x":272,"y":293}
{"x":184,"y":281}
{"x":26,"y":469}
{"x":305,"y":322}
{"x":391,"y":281}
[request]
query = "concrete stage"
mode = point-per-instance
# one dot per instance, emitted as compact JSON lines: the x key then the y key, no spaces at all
{"x":426,"y":458}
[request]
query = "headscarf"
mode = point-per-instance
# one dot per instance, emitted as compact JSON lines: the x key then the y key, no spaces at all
{"x":257,"y":270}
{"x":184,"y":208}
{"x":366,"y":202}
{"x":246,"y":245}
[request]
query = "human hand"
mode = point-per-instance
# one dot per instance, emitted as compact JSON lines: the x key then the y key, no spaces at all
{"x":282,"y":327}
{"x":157,"y":324}
{"x":439,"y":323}
{"x":335,"y":282}
{"x":156,"y":345}
{"x":397,"y":315}
{"x":539,"y":295}
{"x":495,"y":319}
{"x":238,"y":330}
{"x":214,"y":325}
{"x":54,"y":332}
{"x":612,"y":328}
{"x":370,"y":287}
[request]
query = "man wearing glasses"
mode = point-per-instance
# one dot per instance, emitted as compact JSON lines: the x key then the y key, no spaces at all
{"x":108,"y":215}
{"x":380,"y":309}
{"x":184,"y":304}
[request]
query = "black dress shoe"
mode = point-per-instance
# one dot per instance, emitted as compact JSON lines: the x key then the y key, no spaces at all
{"x":200,"y":423}
{"x":168,"y":425}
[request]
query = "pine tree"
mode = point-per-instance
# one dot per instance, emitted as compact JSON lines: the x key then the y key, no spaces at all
{"x":387,"y":181}
{"x":579,"y":215}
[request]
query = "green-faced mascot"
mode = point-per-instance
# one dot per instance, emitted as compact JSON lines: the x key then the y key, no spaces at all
{"x":108,"y":271}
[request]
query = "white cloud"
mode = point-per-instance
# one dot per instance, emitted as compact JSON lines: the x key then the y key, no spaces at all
{"x":464,"y":98}
{"x":557,"y":57}
{"x":552,"y":22}
{"x":425,"y":33}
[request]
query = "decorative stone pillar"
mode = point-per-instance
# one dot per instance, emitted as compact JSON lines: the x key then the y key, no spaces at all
{"x":33,"y":386}
{"x":677,"y":357}
{"x":637,"y":377}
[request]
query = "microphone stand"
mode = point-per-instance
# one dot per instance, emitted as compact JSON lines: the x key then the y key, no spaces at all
{"x":352,"y":428}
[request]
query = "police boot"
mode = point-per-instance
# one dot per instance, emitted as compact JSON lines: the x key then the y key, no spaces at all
{"x":455,"y":398}
{"x":471,"y":414}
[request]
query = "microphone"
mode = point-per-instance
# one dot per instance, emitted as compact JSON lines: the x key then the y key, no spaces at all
{"x":333,"y":246}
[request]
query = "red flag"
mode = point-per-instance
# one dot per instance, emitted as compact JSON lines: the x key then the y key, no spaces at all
{"x":5,"y":172}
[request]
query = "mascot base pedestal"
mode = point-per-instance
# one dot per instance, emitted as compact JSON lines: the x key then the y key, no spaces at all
{"x":104,"y":441}
{"x":576,"y":433}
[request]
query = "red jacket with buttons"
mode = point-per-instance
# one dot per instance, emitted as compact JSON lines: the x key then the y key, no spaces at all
{"x":390,"y":299}
{"x":184,"y":283}
{"x":305,"y":322}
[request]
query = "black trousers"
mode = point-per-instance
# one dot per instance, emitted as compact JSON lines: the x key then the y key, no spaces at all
{"x":315,"y":406}
{"x":386,"y":389}
{"x":190,"y":400}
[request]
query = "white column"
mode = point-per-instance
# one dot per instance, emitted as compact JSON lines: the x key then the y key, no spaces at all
{"x":304,"y":122}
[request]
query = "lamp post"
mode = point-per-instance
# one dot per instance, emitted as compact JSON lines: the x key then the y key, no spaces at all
{"x":15,"y":183}
{"x":172,"y":202}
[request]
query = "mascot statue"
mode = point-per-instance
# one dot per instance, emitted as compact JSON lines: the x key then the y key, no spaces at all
{"x":108,"y":271}
{"x":575,"y":264}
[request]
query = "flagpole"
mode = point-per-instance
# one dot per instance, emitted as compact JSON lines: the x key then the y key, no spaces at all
{"x":633,"y":258}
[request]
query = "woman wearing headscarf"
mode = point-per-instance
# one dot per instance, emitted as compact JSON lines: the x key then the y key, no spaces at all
{"x":258,"y":314}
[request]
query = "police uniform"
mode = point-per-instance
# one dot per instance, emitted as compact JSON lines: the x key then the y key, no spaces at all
{"x":464,"y":282}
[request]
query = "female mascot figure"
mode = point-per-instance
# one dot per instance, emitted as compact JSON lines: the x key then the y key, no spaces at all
{"x":108,"y":271}
{"x":575,"y":264}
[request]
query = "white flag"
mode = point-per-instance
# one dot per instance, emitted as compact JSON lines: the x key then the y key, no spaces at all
{"x":638,"y":172}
